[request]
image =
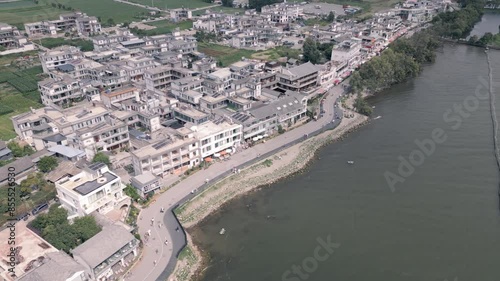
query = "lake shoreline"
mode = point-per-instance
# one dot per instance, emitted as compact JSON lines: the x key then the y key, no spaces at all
{"x":280,"y":166}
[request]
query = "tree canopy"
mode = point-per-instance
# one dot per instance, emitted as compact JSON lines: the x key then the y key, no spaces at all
{"x":100,"y":157}
{"x":20,"y":151}
{"x":47,"y":164}
{"x":55,"y":228}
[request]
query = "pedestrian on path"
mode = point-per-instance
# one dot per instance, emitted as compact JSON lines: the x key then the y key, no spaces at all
{"x":152,"y":221}
{"x":154,"y":263}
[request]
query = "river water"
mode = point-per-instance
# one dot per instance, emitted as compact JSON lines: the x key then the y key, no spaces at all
{"x":441,"y":223}
{"x":490,"y":22}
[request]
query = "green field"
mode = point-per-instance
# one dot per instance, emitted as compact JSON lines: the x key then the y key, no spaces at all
{"x":18,"y":91}
{"x":162,"y":27}
{"x":225,"y":55}
{"x":173,"y":4}
{"x":25,"y":11}
{"x":85,"y":45}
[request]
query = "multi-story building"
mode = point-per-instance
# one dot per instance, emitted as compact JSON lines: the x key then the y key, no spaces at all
{"x":161,"y":77}
{"x":177,"y":151}
{"x":95,"y":188}
{"x":347,"y":51}
{"x":188,"y":90}
{"x":105,"y":255}
{"x":114,"y":97}
{"x":10,"y":37}
{"x":180,"y":14}
{"x":300,"y":78}
{"x":218,"y":136}
{"x":60,"y":91}
{"x":218,"y":81}
{"x":59,"y":56}
{"x":109,"y":135}
{"x":188,"y":114}
{"x":49,"y":120}
{"x":245,"y":40}
{"x":287,"y":110}
{"x":77,"y":22}
{"x":253,"y":127}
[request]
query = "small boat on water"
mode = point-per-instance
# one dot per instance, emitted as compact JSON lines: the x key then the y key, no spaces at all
{"x":222,"y":231}
{"x":378,"y":117}
{"x":350,"y":162}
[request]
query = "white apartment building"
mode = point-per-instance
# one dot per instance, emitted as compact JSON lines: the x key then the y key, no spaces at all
{"x":95,"y":188}
{"x":245,"y":40}
{"x":105,"y":136}
{"x":161,"y":77}
{"x":180,"y":14}
{"x":176,"y":152}
{"x":78,"y":22}
{"x":347,"y":51}
{"x":188,"y":90}
{"x":114,"y":97}
{"x":60,"y":91}
{"x":218,"y":136}
{"x":59,"y":56}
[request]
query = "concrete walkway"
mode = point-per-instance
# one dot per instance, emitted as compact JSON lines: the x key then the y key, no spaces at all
{"x":170,"y":229}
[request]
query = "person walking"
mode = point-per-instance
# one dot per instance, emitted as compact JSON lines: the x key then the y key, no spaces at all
{"x":154,"y":263}
{"x":152,"y":221}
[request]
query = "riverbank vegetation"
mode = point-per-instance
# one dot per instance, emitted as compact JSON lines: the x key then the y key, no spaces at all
{"x":403,"y":59}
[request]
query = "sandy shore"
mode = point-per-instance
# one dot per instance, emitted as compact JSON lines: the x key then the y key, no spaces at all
{"x":264,"y":173}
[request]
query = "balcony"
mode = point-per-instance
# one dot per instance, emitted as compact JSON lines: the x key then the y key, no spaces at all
{"x":116,"y":257}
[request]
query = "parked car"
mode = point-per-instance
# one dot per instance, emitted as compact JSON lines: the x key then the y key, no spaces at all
{"x":40,"y":208}
{"x":24,"y":217}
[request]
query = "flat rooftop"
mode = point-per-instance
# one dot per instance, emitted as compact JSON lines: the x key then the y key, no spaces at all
{"x":210,"y":128}
{"x":30,"y":246}
{"x":86,"y":184}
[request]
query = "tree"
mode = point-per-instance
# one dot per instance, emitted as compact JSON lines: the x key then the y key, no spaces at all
{"x":131,"y":192}
{"x":85,"y":227}
{"x":18,"y":150}
{"x":310,"y":51}
{"x":47,"y":164}
{"x":111,"y":22}
{"x":100,"y":157}
{"x":362,"y":106}
{"x":330,"y":17}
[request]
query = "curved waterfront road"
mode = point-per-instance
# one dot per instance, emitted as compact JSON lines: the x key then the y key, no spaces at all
{"x":170,"y":230}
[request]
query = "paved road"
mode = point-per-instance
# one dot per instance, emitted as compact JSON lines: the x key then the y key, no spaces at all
{"x":170,"y":230}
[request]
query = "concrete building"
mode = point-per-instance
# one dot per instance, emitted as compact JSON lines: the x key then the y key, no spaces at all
{"x":109,"y":251}
{"x":55,"y":266}
{"x":74,"y":22}
{"x":161,"y":77}
{"x":176,"y":152}
{"x":217,"y":136}
{"x":95,"y":188}
{"x":346,"y":51}
{"x":300,"y":78}
{"x":10,"y":37}
{"x":180,"y":14}
{"x":61,"y":91}
{"x":145,"y":183}
{"x":109,"y":135}
{"x":59,"y":56}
